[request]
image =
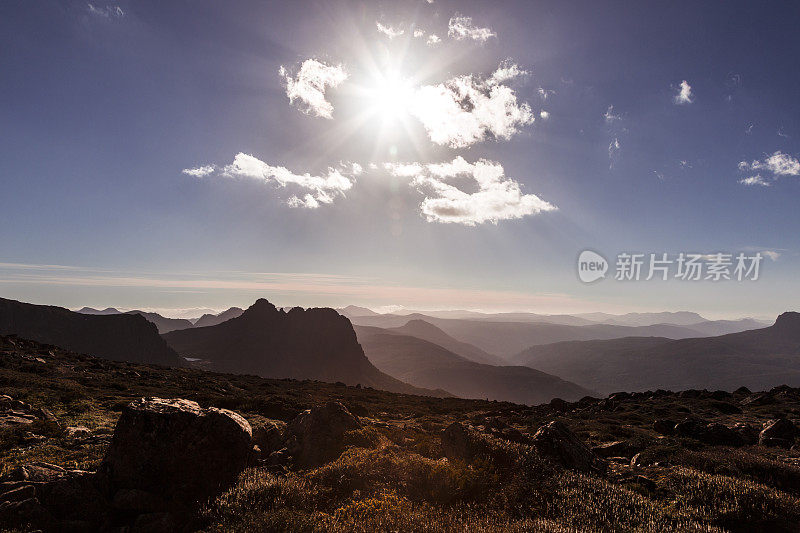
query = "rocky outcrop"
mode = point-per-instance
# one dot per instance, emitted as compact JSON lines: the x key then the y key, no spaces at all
{"x":117,"y":337}
{"x":779,"y":433}
{"x":709,"y":432}
{"x":176,"y":450}
{"x":316,"y":435}
{"x":16,"y":413}
{"x":558,"y":442}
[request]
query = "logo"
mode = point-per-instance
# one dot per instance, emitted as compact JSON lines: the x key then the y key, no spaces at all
{"x":591,"y":266}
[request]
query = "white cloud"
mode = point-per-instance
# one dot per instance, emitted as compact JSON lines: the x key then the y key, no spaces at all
{"x":308,"y":201}
{"x":613,"y":152}
{"x":321,"y":189}
{"x":544,"y":115}
{"x":306,"y":90}
{"x":419,"y":33}
{"x":105,"y":12}
{"x":389,"y":31}
{"x":610,"y":116}
{"x":199,"y":172}
{"x":461,"y":27}
{"x":497,"y":198}
{"x":755,"y":180}
{"x":772,"y":254}
{"x":685,"y":95}
{"x":778,"y":164}
{"x":467,"y":109}
{"x":433,"y":39}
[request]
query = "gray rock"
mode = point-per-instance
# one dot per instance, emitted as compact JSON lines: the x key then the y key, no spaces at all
{"x":177,"y":450}
{"x":316,"y":436}
{"x":557,"y":441}
{"x":780,"y":432}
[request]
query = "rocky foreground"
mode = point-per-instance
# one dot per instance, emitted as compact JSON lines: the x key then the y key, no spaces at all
{"x":88,"y":444}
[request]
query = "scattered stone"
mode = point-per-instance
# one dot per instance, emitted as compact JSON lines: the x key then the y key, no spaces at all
{"x":664,"y":426}
{"x":37,"y":472}
{"x":618,"y":448}
{"x":76,"y":434}
{"x":316,"y":436}
{"x":21,"y":493}
{"x":557,"y":441}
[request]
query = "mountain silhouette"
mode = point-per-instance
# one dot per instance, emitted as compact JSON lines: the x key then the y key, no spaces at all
{"x":212,"y":320}
{"x":758,"y":359}
{"x":301,"y":344}
{"x":425,"y":364}
{"x":119,"y":337}
{"x":164,"y":324}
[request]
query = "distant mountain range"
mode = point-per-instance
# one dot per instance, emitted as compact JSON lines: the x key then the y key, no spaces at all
{"x":119,"y":337}
{"x":505,"y":339}
{"x":165,"y":324}
{"x":429,"y":365}
{"x":758,"y":359}
{"x":301,"y":344}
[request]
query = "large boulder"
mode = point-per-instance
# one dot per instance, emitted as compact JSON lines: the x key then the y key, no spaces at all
{"x":463,"y":443}
{"x":176,"y":450}
{"x":316,"y":436}
{"x":558,"y":442}
{"x":780,"y":432}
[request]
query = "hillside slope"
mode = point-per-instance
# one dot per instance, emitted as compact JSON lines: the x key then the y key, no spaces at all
{"x":759,"y":359}
{"x":119,"y":337}
{"x":429,"y":365}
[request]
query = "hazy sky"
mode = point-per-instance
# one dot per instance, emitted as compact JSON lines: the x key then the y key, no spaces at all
{"x":199,"y":154}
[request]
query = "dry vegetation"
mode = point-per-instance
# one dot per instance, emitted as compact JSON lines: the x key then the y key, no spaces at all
{"x":393,"y":474}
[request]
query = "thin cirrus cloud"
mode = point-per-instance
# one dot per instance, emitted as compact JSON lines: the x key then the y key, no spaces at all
{"x":468,"y":109}
{"x":322,"y":189}
{"x":497,"y":198}
{"x":390,"y":31}
{"x":105,"y":12}
{"x":462,"y":28}
{"x":306,"y":89}
{"x":778,"y":164}
{"x":685,"y":94}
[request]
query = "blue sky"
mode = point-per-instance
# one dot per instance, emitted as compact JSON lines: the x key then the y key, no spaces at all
{"x":104,"y":105}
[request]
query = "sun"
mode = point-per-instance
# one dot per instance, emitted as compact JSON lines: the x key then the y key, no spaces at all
{"x":390,"y":96}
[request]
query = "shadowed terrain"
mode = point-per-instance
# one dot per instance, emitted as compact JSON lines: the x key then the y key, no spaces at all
{"x":302,"y":344}
{"x":688,"y":461}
